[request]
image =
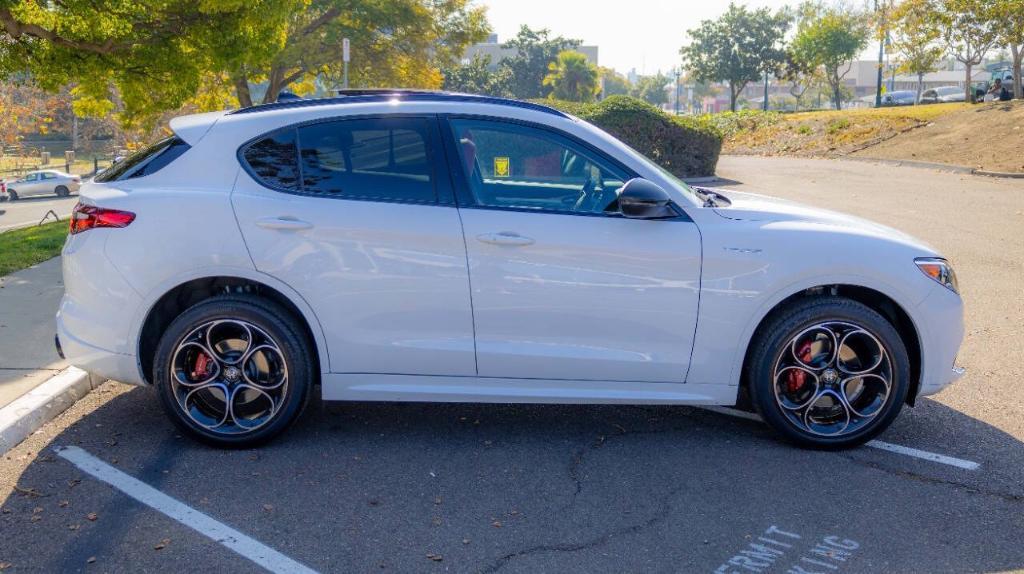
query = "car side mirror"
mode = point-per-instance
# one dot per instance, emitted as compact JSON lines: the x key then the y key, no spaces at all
{"x":643,"y":199}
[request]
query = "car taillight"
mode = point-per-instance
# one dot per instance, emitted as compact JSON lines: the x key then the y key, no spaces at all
{"x":86,"y":217}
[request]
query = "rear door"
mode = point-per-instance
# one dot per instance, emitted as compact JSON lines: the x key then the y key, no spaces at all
{"x":564,"y":287}
{"x":357,"y":215}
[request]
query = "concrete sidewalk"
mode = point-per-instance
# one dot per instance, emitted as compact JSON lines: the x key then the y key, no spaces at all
{"x":28,"y":302}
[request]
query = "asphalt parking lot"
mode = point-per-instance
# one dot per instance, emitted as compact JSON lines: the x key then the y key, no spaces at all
{"x":31,"y":210}
{"x":368,"y":487}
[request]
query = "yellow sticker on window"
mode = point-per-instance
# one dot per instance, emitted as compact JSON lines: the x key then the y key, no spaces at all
{"x":501,"y":167}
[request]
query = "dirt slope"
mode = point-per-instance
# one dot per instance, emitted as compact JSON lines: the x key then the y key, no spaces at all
{"x":988,"y":136}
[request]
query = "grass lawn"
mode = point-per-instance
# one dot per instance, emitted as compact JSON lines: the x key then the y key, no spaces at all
{"x":21,"y":248}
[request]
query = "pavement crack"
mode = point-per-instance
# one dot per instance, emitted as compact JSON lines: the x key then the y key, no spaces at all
{"x":662,"y":513}
{"x":1018,"y":498}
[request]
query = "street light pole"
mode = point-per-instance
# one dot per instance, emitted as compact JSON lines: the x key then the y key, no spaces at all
{"x":764,"y":106}
{"x":881,"y":54}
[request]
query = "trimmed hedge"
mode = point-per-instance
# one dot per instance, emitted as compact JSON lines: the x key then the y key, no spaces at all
{"x":687,"y":146}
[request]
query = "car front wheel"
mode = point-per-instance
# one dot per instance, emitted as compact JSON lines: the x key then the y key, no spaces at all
{"x":12,"y":195}
{"x":62,"y":191}
{"x":828,"y":372}
{"x":233,"y":371}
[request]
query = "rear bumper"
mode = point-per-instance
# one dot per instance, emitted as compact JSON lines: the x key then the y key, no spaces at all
{"x":97,"y":361}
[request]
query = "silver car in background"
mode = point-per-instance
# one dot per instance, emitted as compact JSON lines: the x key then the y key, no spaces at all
{"x":43,"y":182}
{"x":941,"y":95}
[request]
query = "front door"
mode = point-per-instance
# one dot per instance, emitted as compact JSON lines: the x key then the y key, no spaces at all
{"x":563,"y":286}
{"x":357,"y":217}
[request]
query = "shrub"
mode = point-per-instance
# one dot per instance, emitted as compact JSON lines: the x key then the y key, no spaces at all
{"x":732,"y":123}
{"x":687,"y":146}
{"x":837,"y":125}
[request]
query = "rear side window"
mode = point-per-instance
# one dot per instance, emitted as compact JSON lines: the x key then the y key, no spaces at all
{"x":275,"y":160}
{"x":385,"y":159}
{"x":146,"y":161}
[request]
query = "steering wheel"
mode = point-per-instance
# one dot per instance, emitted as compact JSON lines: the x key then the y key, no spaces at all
{"x":585,"y":193}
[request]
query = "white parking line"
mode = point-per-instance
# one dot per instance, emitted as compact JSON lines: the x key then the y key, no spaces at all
{"x":898,"y":449}
{"x":247,"y":547}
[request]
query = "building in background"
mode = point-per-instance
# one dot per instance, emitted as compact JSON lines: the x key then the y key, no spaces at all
{"x":493,"y":48}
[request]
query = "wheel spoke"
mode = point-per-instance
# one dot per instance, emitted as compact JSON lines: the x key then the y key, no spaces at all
{"x":814,"y":348}
{"x":229,"y":340}
{"x":830,"y":419}
{"x":271,"y":373}
{"x":859,"y":353}
{"x":255,"y":408}
{"x":865,"y":394}
{"x":189,"y":358}
{"x":200,"y":404}
{"x":796,"y":387}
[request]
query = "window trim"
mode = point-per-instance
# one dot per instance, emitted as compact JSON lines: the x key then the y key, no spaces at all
{"x":464,"y":196}
{"x":443,"y":191}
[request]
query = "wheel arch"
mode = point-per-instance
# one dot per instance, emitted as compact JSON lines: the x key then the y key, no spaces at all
{"x":872,"y":298}
{"x":183,"y":294}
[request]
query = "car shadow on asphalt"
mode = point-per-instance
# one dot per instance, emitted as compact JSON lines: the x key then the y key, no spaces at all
{"x":379,"y":486}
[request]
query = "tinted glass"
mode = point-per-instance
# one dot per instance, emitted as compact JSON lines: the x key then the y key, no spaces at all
{"x":510,"y":165}
{"x":274,"y":160}
{"x":385,"y":159}
{"x":145,"y":161}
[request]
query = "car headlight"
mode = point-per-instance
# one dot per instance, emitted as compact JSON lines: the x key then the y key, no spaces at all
{"x":940,"y":270}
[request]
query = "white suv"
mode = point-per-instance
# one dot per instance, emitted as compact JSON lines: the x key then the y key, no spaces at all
{"x":417,"y":246}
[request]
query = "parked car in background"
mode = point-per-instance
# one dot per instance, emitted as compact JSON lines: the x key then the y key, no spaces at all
{"x":419,"y":246}
{"x":44,"y":182}
{"x":942,"y":95}
{"x":899,"y":98}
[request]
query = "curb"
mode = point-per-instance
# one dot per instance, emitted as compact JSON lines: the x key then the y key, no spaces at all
{"x":702,"y":179}
{"x":42,"y":404}
{"x":914,"y":163}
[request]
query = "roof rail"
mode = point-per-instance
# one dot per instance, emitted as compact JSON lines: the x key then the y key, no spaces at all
{"x":385,"y":94}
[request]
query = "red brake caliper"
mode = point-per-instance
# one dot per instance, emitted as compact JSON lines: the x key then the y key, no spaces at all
{"x":201,"y":366}
{"x":796,"y":378}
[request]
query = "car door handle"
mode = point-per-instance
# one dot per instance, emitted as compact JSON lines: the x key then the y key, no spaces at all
{"x":505,"y":238}
{"x":284,"y":223}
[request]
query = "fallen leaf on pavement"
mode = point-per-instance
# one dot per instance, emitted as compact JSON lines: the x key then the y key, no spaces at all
{"x":91,"y":559}
{"x":268,"y":507}
{"x":162,"y":544}
{"x":92,"y":516}
{"x":435,"y":557}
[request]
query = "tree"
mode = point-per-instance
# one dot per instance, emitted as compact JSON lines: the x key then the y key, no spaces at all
{"x":571,"y":77}
{"x":534,"y":51}
{"x":800,"y":74}
{"x":914,"y":38}
{"x":829,"y":38}
{"x":969,"y":30}
{"x":736,"y":48}
{"x":612,"y":83}
{"x":651,"y":89}
{"x":1010,"y":15}
{"x":151,"y":55}
{"x":477,"y":77}
{"x":394,"y":43}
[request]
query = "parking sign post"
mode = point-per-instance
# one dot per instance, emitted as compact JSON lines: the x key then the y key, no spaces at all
{"x":344,"y":59}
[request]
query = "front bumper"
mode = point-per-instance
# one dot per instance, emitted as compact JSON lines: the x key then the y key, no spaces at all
{"x":940,"y":323}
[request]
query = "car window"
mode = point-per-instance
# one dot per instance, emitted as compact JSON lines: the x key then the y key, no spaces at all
{"x":511,"y":165}
{"x":275,"y":160}
{"x":383,"y":159}
{"x":49,"y":176}
{"x":32,"y":177}
{"x":146,"y":161}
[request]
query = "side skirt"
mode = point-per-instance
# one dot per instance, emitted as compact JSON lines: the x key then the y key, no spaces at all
{"x":432,"y":388}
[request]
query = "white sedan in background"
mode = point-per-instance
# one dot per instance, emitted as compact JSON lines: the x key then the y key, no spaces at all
{"x":411,"y":246}
{"x":43,"y":182}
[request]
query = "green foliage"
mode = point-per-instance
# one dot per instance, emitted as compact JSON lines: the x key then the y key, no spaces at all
{"x":738,"y":48}
{"x":651,"y":89}
{"x":23,"y":248}
{"x":970,"y":28}
{"x":686,"y":146}
{"x":614,"y":83}
{"x":915,"y":38}
{"x":477,"y":77}
{"x":535,"y":51}
{"x":571,"y":77}
{"x":829,"y":37}
{"x":836,"y":125}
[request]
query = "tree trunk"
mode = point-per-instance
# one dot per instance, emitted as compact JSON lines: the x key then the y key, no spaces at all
{"x":1018,"y":55}
{"x":732,"y":96}
{"x":920,"y":87}
{"x":242,"y":90}
{"x":968,"y":90}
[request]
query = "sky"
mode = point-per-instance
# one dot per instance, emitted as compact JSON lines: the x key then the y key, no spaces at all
{"x":641,"y":34}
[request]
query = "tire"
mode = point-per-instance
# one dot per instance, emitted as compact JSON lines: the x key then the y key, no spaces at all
{"x":12,"y":195}
{"x":809,"y":379}
{"x":258,"y":357}
{"x":62,"y":191}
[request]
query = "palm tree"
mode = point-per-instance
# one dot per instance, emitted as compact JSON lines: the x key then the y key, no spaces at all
{"x":571,"y":77}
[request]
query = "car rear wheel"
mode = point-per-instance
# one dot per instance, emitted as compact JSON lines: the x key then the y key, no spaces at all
{"x":828,"y":373}
{"x":62,"y":191}
{"x":233,"y":371}
{"x":12,"y":195}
